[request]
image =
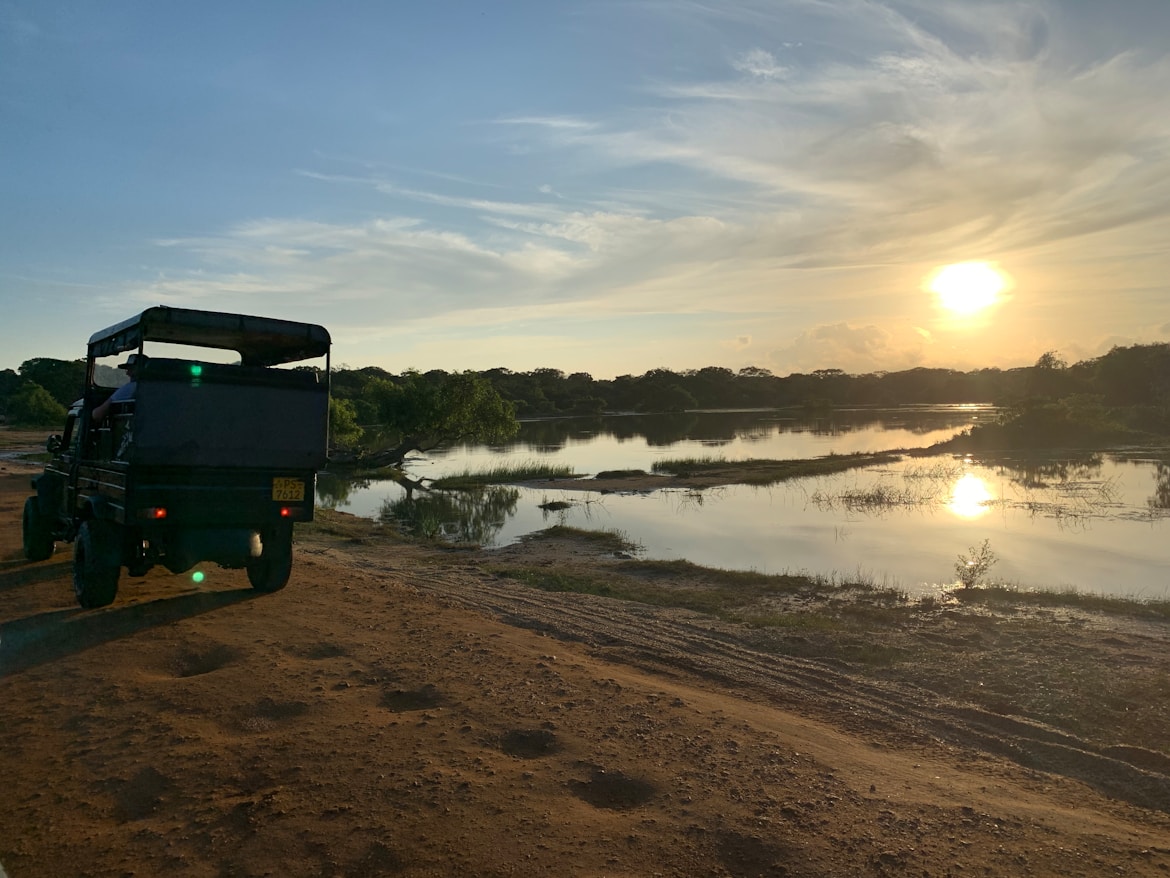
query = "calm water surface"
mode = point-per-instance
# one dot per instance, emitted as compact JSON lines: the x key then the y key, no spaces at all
{"x":1098,"y":524}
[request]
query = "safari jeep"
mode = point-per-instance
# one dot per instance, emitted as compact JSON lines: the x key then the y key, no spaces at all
{"x":209,"y":462}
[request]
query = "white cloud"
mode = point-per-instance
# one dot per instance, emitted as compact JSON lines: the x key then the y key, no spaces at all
{"x":567,"y":123}
{"x":855,"y":349}
{"x":760,"y":64}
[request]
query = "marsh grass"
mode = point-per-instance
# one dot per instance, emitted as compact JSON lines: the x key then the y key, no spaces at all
{"x":783,"y":601}
{"x":768,"y":472}
{"x":940,"y":471}
{"x":554,"y":505}
{"x":875,"y":497}
{"x":608,"y":538}
{"x":503,"y":474}
{"x":742,"y":579}
{"x":1070,"y":501}
{"x":1010,"y":595}
{"x":915,"y":486}
{"x":687,"y":465}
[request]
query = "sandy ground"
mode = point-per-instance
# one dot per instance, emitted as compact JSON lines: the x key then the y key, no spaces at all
{"x":399,"y":710}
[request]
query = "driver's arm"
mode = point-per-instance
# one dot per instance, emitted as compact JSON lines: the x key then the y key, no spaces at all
{"x":125,"y":392}
{"x":101,"y":410}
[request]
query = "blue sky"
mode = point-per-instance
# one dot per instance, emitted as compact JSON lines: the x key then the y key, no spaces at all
{"x":606,"y":187}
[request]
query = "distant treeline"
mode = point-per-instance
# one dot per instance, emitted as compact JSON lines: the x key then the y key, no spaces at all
{"x":1136,"y":376}
{"x":1126,"y":376}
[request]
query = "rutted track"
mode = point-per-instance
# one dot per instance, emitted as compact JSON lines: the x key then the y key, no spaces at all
{"x":660,"y":640}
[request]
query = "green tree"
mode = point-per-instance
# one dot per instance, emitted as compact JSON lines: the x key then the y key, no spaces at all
{"x":674,"y":398}
{"x":1051,"y":361}
{"x":421,"y":413}
{"x":33,"y":406}
{"x":1049,"y":377}
{"x":10,"y":382}
{"x":63,"y":379}
{"x":344,"y":431}
{"x":1135,"y":375}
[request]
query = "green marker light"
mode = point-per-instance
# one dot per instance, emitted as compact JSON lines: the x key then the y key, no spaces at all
{"x":196,"y":370}
{"x":197,"y":576}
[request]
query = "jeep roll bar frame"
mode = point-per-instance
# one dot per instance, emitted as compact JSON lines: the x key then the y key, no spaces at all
{"x":260,"y":341}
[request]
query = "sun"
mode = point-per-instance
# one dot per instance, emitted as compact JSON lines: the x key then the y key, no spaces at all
{"x":970,"y":497}
{"x":965,"y":288}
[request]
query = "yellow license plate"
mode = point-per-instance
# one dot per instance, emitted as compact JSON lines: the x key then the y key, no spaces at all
{"x":284,"y":490}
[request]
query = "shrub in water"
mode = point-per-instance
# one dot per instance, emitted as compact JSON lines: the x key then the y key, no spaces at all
{"x":971,"y":568}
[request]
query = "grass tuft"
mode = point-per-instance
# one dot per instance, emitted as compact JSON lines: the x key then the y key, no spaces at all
{"x":613,"y":539}
{"x":504,"y":474}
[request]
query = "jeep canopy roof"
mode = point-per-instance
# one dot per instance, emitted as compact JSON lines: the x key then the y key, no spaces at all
{"x":260,"y":341}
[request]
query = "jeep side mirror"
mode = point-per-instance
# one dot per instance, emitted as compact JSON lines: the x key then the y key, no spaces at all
{"x":53,"y":444}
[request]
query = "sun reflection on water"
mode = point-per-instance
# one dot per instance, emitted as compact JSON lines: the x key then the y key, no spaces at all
{"x":970,"y":497}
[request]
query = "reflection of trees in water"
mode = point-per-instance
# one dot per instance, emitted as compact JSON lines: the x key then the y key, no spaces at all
{"x":1043,"y":473}
{"x":669,"y":429}
{"x":1161,"y":496}
{"x":714,"y":428}
{"x":1070,"y":491}
{"x":334,"y":490}
{"x":825,"y":427}
{"x":554,"y":434}
{"x":843,"y":423}
{"x":472,"y":516}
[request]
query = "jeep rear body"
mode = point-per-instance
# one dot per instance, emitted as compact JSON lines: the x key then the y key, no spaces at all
{"x":210,"y":461}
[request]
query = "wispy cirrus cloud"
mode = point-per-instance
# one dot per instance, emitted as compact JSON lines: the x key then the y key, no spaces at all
{"x":976,"y":134}
{"x":482,"y":205}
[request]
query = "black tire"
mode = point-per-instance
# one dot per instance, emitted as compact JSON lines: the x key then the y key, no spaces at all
{"x":97,"y":562}
{"x":270,"y":571}
{"x":38,"y":532}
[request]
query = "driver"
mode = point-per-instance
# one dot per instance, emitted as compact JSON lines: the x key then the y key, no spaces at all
{"x":125,"y":393}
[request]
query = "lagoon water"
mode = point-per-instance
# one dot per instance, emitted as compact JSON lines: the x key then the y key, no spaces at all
{"x":1099,"y":524}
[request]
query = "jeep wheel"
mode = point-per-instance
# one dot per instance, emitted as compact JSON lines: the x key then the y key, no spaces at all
{"x":96,"y":564}
{"x":271,"y":570}
{"x":38,"y":534}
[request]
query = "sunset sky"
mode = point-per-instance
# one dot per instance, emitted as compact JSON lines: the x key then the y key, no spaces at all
{"x":595,"y":186}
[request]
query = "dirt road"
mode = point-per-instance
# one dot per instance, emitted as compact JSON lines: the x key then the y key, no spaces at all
{"x":399,"y":710}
